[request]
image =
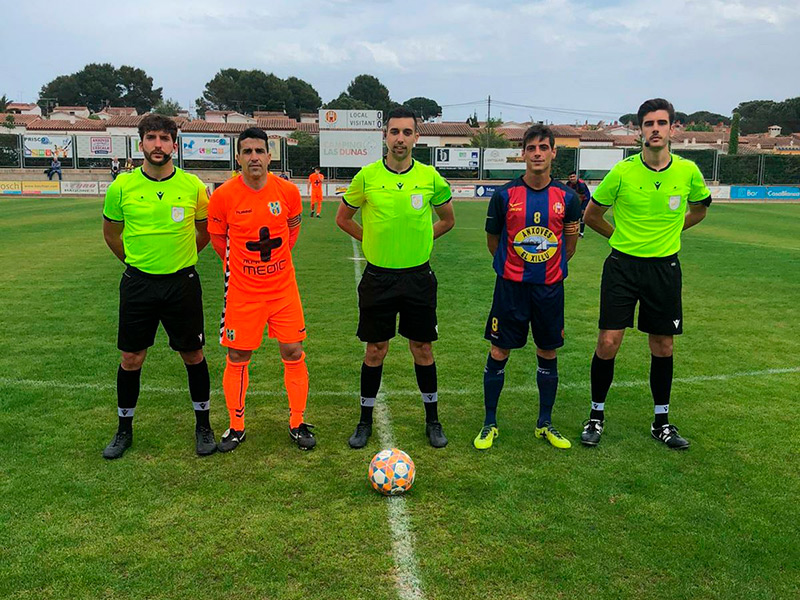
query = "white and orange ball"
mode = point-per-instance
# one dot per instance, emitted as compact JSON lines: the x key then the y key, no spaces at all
{"x":391,"y":472}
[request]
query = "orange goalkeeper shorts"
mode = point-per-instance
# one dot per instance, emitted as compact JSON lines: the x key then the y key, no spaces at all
{"x":244,"y":319}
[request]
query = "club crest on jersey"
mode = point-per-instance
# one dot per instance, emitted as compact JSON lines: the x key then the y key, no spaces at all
{"x":230,"y":334}
{"x":558,"y":208}
{"x":674,"y":202}
{"x":417,"y":201}
{"x":275,"y":208}
{"x":535,"y":244}
{"x":178,"y":213}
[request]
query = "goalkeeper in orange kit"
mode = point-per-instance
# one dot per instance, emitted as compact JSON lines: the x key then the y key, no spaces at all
{"x":315,"y":188}
{"x":254,"y":220}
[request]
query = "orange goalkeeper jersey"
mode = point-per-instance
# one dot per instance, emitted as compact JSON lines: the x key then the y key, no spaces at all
{"x":315,"y":181}
{"x":258,"y":262}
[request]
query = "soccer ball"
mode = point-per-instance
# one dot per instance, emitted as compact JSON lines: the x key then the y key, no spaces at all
{"x":391,"y":472}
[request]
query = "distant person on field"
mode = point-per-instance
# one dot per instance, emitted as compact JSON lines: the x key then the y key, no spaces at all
{"x":583,"y":193}
{"x":283,"y":175}
{"x":129,"y":165}
{"x":650,"y":193}
{"x":315,"y":191}
{"x":115,"y":168}
{"x":155,"y":222}
{"x":55,"y":168}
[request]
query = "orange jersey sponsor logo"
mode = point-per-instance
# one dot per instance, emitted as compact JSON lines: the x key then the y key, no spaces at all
{"x":315,"y":181}
{"x":256,"y":224}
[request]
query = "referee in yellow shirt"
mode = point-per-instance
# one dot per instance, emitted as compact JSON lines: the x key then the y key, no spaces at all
{"x":396,"y":196}
{"x":655,"y":195}
{"x":155,"y":222}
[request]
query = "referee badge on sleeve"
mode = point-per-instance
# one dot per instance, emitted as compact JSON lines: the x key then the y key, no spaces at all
{"x":178,"y":213}
{"x":417,"y":201}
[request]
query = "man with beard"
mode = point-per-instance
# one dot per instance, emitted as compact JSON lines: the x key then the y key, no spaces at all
{"x":396,"y":195}
{"x":155,"y":222}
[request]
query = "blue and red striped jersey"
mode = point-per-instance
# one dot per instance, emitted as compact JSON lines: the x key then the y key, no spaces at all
{"x":530,"y":224}
{"x":582,"y":190}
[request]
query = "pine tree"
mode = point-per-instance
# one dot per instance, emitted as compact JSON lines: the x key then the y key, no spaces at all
{"x":733,"y":142}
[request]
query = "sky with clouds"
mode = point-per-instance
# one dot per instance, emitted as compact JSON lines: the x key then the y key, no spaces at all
{"x":589,"y":60}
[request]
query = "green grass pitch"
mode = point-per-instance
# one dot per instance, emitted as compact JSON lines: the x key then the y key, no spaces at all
{"x":628,"y":519}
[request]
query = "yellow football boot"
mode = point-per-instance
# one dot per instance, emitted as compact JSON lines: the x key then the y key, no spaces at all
{"x":551,"y":434}
{"x":486,"y":437}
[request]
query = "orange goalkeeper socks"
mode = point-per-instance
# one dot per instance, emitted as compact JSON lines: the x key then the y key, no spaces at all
{"x":295,"y":378}
{"x":234,"y":383}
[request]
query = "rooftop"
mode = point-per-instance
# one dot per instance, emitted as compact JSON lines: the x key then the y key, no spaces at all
{"x":452,"y":128}
{"x":283,"y":123}
{"x":20,"y":119}
{"x":20,"y":106}
{"x":119,"y":111}
{"x":266,"y":114}
{"x":200,"y":126}
{"x":56,"y":125}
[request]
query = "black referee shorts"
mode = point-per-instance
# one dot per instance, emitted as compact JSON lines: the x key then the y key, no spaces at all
{"x":174,"y":300}
{"x":385,"y":293}
{"x":655,"y":283}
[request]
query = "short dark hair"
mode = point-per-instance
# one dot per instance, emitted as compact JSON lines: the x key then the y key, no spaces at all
{"x":539,"y":131}
{"x":401,"y":112}
{"x":254,"y":133}
{"x":653,"y":105}
{"x":572,"y":173}
{"x":154,"y":122}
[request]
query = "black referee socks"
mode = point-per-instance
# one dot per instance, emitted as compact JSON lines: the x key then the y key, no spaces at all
{"x":370,"y":384}
{"x":428,"y":387}
{"x":661,"y":387}
{"x":127,"y":396}
{"x":200,"y":391}
{"x":602,"y":376}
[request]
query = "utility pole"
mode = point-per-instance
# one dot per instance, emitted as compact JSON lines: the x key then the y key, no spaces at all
{"x":488,"y":119}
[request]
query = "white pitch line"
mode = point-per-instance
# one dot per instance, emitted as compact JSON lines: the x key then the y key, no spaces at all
{"x":706,"y":238}
{"x":408,"y":583}
{"x":279,"y":392}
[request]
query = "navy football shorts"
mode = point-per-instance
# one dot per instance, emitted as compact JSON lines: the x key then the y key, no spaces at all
{"x":518,"y":306}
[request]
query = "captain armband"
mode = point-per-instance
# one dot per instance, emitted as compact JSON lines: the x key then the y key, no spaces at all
{"x":705,"y":202}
